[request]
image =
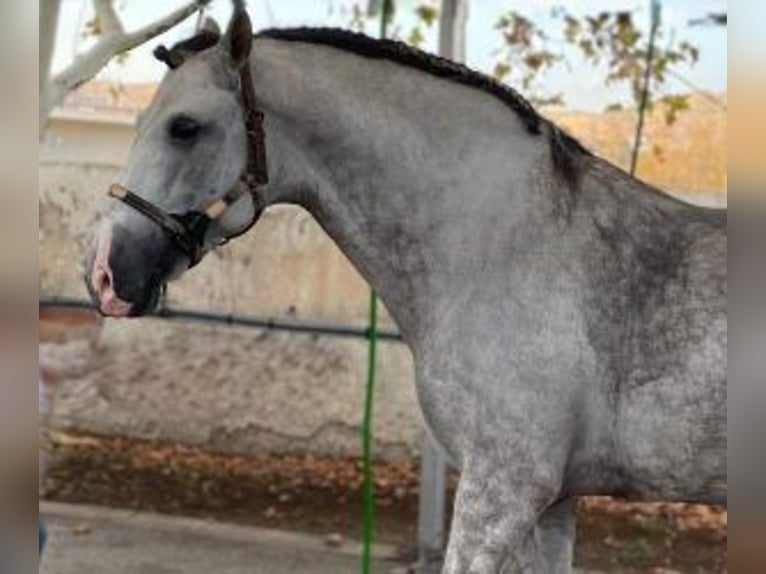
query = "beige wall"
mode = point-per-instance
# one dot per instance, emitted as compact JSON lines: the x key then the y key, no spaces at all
{"x":240,"y":390}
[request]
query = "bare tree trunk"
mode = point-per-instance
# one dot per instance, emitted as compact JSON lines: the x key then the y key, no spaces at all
{"x":49,"y":17}
{"x":454,"y":14}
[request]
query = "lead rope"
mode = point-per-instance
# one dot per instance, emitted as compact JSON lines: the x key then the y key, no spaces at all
{"x":368,"y":517}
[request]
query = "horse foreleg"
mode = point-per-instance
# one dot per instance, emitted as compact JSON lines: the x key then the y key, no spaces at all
{"x":494,"y":520}
{"x":555,"y":536}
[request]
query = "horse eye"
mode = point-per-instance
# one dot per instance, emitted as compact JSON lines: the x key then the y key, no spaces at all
{"x":183,"y":128}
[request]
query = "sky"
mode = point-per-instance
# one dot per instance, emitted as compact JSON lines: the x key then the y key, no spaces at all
{"x":581,"y":85}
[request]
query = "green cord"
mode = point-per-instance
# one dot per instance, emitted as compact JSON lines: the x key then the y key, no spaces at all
{"x":386,"y":14}
{"x":369,"y":485}
{"x":368,"y":519}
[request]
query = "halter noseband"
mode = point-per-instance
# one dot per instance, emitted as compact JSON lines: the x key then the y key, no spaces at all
{"x":187,"y":230}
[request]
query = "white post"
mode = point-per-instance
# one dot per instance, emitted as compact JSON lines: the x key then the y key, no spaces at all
{"x":452,"y":21}
{"x":431,"y":519}
{"x":433,"y":464}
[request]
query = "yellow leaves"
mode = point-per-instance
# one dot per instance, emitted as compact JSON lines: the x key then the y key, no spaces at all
{"x":427,"y":13}
{"x":501,"y":70}
{"x":93,"y":27}
{"x":673,"y":105}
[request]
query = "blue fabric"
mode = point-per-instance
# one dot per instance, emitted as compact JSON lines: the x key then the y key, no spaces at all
{"x":42,"y":403}
{"x":43,"y":536}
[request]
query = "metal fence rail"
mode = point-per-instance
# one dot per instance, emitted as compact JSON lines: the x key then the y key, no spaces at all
{"x":235,"y":320}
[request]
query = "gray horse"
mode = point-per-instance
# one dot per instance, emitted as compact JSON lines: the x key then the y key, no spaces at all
{"x":567,"y":322}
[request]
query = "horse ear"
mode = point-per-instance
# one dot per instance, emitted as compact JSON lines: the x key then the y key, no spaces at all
{"x":239,"y":38}
{"x":210,"y":26}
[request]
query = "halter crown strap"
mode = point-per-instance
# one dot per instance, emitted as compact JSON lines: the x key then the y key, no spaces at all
{"x":256,"y":172}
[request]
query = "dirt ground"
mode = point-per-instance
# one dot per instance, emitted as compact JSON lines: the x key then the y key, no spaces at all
{"x":323,"y":496}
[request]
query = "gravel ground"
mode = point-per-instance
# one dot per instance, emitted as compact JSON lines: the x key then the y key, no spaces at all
{"x":92,"y":540}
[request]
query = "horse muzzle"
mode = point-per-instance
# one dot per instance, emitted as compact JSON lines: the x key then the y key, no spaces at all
{"x":125,"y":274}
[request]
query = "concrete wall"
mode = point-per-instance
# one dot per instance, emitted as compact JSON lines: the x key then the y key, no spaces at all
{"x":234,"y":389}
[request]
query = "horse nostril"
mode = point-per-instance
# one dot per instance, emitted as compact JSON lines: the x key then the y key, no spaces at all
{"x":106,"y":282}
{"x":101,"y":281}
{"x":106,"y":299}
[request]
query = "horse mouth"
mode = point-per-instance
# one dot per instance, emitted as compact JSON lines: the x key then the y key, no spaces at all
{"x":121,"y":291}
{"x":107,"y":301}
{"x":148,"y":305}
{"x":119,"y":309}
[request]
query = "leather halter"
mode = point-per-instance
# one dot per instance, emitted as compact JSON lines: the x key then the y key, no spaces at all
{"x":187,"y":230}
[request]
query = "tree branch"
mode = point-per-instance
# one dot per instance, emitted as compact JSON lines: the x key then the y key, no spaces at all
{"x":161,"y":26}
{"x":107,"y":17}
{"x":114,"y":40}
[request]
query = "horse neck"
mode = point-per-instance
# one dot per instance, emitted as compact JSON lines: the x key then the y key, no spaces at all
{"x":420,"y":181}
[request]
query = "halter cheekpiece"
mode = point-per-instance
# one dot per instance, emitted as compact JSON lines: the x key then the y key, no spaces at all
{"x":187,"y":230}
